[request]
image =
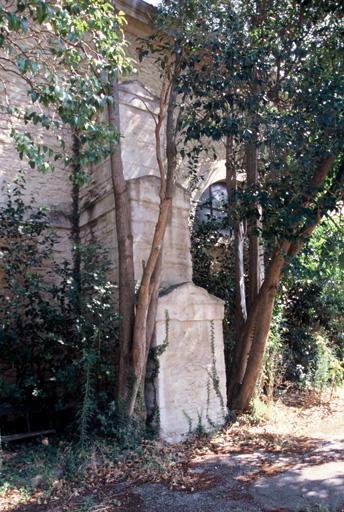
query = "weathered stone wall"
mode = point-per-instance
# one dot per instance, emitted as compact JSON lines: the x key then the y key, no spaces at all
{"x":138,"y":155}
{"x":141,"y":171}
{"x":176,"y":261}
{"x":51,"y":190}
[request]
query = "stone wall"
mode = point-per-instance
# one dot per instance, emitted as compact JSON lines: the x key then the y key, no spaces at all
{"x":51,"y":190}
{"x":141,"y":171}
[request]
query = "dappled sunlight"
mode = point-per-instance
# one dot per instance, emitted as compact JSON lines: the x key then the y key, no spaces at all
{"x":245,"y":453}
{"x":172,"y":295}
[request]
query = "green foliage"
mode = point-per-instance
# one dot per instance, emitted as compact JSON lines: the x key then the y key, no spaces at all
{"x":313,"y":307}
{"x":273,"y":369}
{"x":213,"y":380}
{"x":76,"y":52}
{"x":87,"y":505}
{"x":259,"y":411}
{"x":189,"y":420}
{"x":88,"y":404}
{"x":152,"y":373}
{"x":311,"y":298}
{"x":49,"y":347}
{"x":213,"y":258}
{"x":59,"y":462}
{"x":329,"y":370}
{"x":200,"y":430}
{"x":113,"y":423}
{"x":67,"y":68}
{"x":20,"y":470}
{"x":270,"y":75}
{"x":28,"y":322}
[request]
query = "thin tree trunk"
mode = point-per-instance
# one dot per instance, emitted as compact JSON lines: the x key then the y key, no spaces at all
{"x":75,"y":224}
{"x":151,"y":322}
{"x":238,"y":229}
{"x":256,"y":331}
{"x":153,"y":305}
{"x":239,"y":290}
{"x":150,"y":278}
{"x":126,"y":276}
{"x":255,"y":273}
{"x":254,"y":256}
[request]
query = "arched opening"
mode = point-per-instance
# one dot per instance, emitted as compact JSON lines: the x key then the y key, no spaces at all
{"x":212,"y":205}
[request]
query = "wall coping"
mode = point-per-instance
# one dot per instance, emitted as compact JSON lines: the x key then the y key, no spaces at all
{"x":137,"y":9}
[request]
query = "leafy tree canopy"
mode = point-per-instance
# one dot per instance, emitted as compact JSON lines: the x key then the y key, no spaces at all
{"x":67,"y":53}
{"x":270,"y":73}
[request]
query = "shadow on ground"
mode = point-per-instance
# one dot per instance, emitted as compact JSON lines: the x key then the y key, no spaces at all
{"x":227,"y":483}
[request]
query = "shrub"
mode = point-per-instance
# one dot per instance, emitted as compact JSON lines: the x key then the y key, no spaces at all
{"x":55,"y":338}
{"x":313,"y":306}
{"x":273,"y":369}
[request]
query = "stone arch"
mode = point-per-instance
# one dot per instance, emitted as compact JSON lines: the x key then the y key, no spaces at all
{"x":212,"y":172}
{"x":211,"y":203}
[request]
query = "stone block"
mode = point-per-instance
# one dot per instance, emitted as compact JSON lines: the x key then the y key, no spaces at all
{"x":187,"y":395}
{"x":144,"y":199}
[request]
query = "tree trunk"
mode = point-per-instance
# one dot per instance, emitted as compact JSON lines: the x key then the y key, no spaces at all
{"x":153,"y":305}
{"x":255,"y":273}
{"x":238,"y":232}
{"x":126,"y":276}
{"x":254,"y":256}
{"x":239,"y":288}
{"x":256,"y":331}
{"x":151,"y":276}
{"x":139,"y":352}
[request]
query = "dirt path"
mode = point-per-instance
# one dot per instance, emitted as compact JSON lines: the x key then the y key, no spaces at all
{"x":294,"y":462}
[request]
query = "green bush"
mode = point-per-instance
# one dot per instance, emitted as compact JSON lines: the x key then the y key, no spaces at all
{"x":313,"y":307}
{"x":273,"y":369}
{"x":329,"y":370}
{"x":309,"y":309}
{"x":213,"y":269}
{"x":56,"y":339}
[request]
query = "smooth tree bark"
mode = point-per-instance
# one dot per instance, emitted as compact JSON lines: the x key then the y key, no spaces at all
{"x":255,"y":333}
{"x":238,"y":232}
{"x":242,"y":346}
{"x":138,"y":314}
{"x":255,"y":256}
{"x":148,"y":292}
{"x":239,"y":271}
{"x":126,"y":275}
{"x":255,"y":270}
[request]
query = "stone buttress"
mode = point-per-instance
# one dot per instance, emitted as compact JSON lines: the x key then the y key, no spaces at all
{"x":190,"y":389}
